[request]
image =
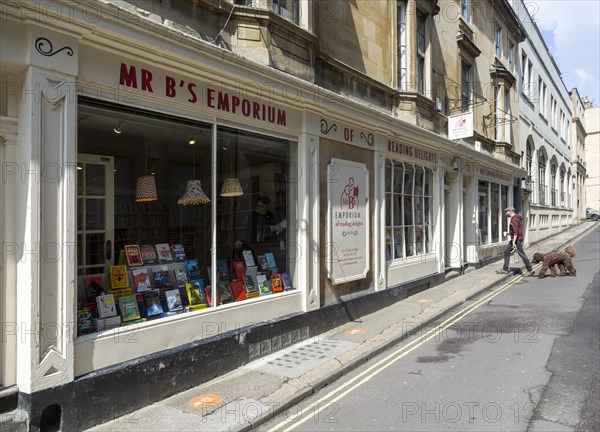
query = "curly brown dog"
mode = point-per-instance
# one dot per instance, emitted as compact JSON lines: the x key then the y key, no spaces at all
{"x":553,"y":259}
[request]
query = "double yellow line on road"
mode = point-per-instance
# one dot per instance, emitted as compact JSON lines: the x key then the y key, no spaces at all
{"x":335,"y":395}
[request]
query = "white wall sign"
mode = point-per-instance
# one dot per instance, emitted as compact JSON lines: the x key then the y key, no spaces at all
{"x":460,"y":126}
{"x":348,"y":216}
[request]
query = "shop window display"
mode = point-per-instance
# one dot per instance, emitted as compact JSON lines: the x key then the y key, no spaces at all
{"x":409,"y":196}
{"x":144,"y":208}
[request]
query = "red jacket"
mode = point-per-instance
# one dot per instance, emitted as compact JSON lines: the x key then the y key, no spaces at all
{"x":516,"y":227}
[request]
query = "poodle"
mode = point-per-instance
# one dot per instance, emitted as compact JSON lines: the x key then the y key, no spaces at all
{"x":553,"y":259}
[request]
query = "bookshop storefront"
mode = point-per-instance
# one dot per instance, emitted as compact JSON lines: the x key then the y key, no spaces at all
{"x":186,"y":215}
{"x":412,"y":203}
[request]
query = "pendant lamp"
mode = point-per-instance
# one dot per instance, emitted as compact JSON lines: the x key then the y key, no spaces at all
{"x":231,"y":186}
{"x":193,"y":192}
{"x":145,"y":189}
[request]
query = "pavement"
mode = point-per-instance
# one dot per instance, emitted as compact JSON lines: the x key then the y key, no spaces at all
{"x":252,"y":394}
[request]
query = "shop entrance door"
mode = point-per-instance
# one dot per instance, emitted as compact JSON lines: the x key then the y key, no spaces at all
{"x":95,"y":214}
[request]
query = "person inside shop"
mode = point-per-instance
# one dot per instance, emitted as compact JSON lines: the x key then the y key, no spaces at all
{"x":265,"y":227}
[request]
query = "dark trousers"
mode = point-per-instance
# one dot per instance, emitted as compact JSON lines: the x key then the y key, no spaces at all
{"x":520,"y":251}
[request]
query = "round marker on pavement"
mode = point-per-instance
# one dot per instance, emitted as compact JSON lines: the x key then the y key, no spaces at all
{"x":356,"y":331}
{"x":205,"y":400}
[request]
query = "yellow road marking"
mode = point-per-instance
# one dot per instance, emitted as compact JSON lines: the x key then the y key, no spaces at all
{"x":401,"y":352}
{"x":387,"y":361}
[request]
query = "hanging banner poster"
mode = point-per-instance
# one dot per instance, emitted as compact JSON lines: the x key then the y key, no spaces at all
{"x":348,"y":216}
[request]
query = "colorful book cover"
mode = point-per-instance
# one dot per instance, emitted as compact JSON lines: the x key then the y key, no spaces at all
{"x":193,"y":268}
{"x":263,"y":284}
{"x":152,"y":303}
{"x":248,"y":258}
{"x":287,"y":281}
{"x":133,"y":255}
{"x":195,"y":294}
{"x":180,"y":277}
{"x":161,"y":277}
{"x":149,"y":254}
{"x":237,"y":289}
{"x":224,"y":292}
{"x":106,"y":305}
{"x":239,"y":269}
{"x":208,"y":295}
{"x":250,"y":287}
{"x":263,"y":264}
{"x":164,"y":253}
{"x":222,"y":269}
{"x":121,"y":292}
{"x":276,"y":283}
{"x":141,"y":280}
{"x":118,"y":277}
{"x":270,"y":260}
{"x":174,"y":300}
{"x":129,"y":308}
{"x":94,"y":286}
{"x":178,"y":252}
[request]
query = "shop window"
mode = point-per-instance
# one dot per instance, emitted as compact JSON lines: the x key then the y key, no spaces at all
{"x":144,"y":216}
{"x":495,"y":212}
{"x":482,"y":214}
{"x":409,"y":199}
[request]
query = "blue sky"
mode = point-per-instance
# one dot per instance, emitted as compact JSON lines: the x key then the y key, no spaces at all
{"x":571,"y":30}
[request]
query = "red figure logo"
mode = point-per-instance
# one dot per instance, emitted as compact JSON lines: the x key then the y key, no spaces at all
{"x":349,"y":196}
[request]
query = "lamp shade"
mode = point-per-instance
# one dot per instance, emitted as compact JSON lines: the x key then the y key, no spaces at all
{"x":193,"y":194}
{"x":231,"y":188}
{"x":145,"y":189}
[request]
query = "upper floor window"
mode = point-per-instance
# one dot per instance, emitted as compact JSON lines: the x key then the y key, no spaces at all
{"x":529,"y":162}
{"x":465,"y":9}
{"x":543,"y":97}
{"x":498,"y":41}
{"x":526,"y":74}
{"x":511,"y":56}
{"x":287,"y":9}
{"x":553,"y":112}
{"x":401,"y":26}
{"x":421,"y":48}
{"x":465,"y":86}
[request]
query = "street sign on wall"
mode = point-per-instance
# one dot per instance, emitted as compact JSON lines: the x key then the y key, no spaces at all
{"x":348,"y":217}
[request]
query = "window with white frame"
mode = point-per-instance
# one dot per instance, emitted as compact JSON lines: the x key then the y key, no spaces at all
{"x":492,"y":197}
{"x":507,"y":115}
{"x":553,"y":111}
{"x":465,"y":9}
{"x":289,"y":9}
{"x":401,"y":26}
{"x":511,"y":56}
{"x":421,"y":48}
{"x":465,"y":89}
{"x":409,"y":201}
{"x":498,"y":40}
{"x":526,"y":76}
{"x":553,"y":181}
{"x":543,"y":98}
{"x":497,"y":113}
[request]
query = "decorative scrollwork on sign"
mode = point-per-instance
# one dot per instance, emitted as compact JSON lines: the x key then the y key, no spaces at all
{"x":325,"y":129}
{"x":44,"y":47}
{"x":370,"y":139}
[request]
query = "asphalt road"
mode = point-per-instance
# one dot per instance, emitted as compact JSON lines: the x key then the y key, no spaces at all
{"x":522,"y":357}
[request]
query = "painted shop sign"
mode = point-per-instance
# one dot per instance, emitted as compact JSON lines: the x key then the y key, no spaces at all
{"x":495,"y":175}
{"x":195,"y":93}
{"x":460,"y":126}
{"x":348,"y":216}
{"x":339,"y":132}
{"x":411,"y":152}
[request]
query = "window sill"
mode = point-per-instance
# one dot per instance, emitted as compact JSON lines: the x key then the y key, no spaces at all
{"x":411,"y":260}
